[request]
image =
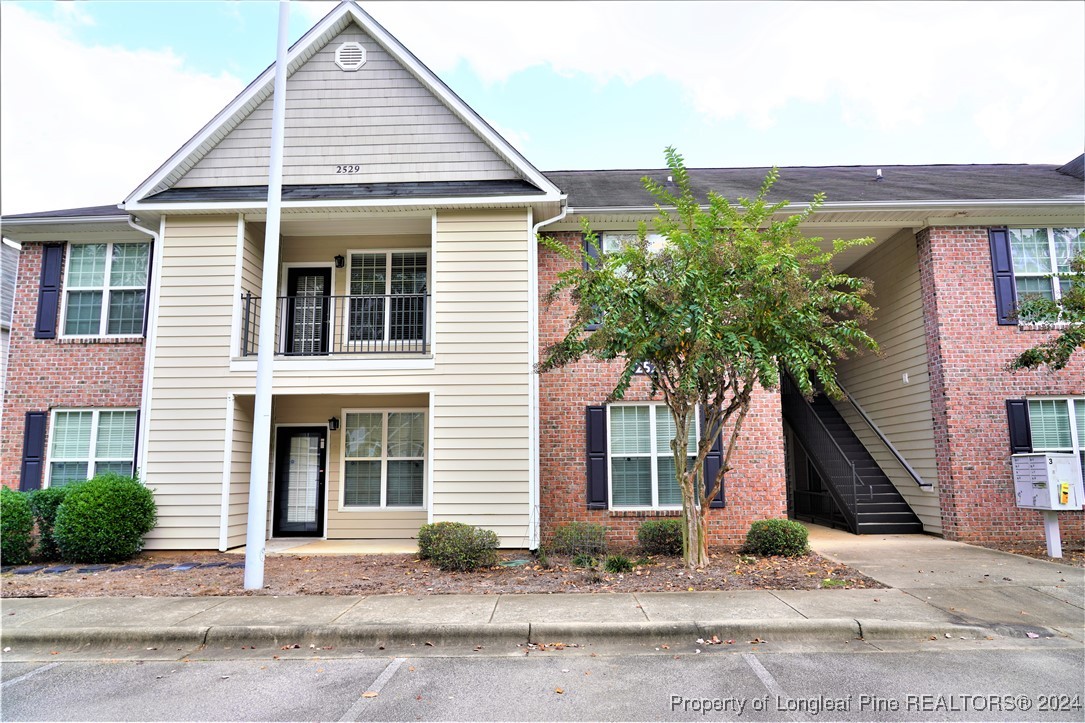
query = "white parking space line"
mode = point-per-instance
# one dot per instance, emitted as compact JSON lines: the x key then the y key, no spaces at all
{"x":382,"y":679}
{"x":31,"y":674}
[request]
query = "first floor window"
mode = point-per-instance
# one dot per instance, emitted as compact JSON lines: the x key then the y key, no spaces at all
{"x":105,"y":289}
{"x":89,"y":442}
{"x":641,"y":462}
{"x":384,"y":455}
{"x":1058,"y":425}
{"x":1041,"y":260}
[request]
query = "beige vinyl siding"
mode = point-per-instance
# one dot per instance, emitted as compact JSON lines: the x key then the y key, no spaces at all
{"x":901,"y":411}
{"x":240,"y":470}
{"x":379,"y":117}
{"x":479,"y":384}
{"x":191,"y":382}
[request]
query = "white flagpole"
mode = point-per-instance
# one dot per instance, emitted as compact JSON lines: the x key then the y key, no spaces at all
{"x":256,"y":533}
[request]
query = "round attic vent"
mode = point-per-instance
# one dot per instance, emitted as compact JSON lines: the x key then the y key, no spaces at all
{"x":350,"y":56}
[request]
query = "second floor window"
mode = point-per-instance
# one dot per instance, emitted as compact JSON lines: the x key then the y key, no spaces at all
{"x":1041,"y":260}
{"x":105,"y":289}
{"x":392,"y":290}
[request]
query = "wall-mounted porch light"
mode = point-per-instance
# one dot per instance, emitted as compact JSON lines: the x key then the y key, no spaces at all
{"x":333,"y":423}
{"x":340,"y":262}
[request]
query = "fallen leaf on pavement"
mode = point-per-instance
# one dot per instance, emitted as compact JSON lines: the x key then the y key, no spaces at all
{"x":1032,"y":635}
{"x":369,"y":694}
{"x":559,"y":691}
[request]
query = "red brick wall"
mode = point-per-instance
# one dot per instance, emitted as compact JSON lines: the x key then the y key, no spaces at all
{"x":755,"y":489}
{"x":44,"y":374}
{"x":968,"y":354}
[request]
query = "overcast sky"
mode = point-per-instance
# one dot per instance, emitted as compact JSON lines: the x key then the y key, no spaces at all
{"x":94,"y":96}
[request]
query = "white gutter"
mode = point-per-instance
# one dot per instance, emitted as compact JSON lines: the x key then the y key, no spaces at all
{"x":533,"y":333}
{"x":149,"y":342}
{"x":256,"y":531}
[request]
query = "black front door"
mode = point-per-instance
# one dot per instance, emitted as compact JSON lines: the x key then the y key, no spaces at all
{"x":300,"y":455}
{"x":308,"y":311}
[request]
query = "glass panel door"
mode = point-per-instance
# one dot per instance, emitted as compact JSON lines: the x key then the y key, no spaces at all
{"x":299,"y":481}
{"x":307,"y":302}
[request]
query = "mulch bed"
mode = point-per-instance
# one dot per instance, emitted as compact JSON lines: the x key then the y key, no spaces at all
{"x":1073,"y":551}
{"x":406,"y":574}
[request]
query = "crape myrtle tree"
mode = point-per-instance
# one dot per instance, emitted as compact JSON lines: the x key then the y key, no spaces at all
{"x":1066,"y":316}
{"x":734,"y":295}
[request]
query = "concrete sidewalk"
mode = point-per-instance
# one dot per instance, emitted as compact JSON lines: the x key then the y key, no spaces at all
{"x":938,"y":589}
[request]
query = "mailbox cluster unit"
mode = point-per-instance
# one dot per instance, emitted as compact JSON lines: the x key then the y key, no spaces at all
{"x":1048,"y":481}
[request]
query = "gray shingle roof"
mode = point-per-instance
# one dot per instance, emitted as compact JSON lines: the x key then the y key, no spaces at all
{"x":348,"y":191}
{"x":85,"y":212}
{"x":623,"y":188}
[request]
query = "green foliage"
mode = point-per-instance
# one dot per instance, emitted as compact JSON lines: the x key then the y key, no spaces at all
{"x":618,"y":563}
{"x":735,"y":293}
{"x":44,"y":503}
{"x":16,"y":524}
{"x":776,"y":537}
{"x":583,"y":559}
{"x":104,"y":519}
{"x":1067,"y":317}
{"x":456,"y":547}
{"x":574,"y":538}
{"x":661,"y":537}
{"x":429,"y":534}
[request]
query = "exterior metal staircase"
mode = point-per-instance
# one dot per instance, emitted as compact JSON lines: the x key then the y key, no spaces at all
{"x":866,"y":501}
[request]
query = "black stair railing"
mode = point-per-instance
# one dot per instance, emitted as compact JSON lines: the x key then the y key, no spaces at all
{"x":843,"y":481}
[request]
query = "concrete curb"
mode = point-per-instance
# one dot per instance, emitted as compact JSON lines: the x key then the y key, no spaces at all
{"x":136,"y":635}
{"x":492,"y":634}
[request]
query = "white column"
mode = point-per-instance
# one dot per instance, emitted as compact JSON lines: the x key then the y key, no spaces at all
{"x":255,"y":538}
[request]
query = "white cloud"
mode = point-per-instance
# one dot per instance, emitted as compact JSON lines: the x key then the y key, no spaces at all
{"x":82,"y":125}
{"x":889,"y":66}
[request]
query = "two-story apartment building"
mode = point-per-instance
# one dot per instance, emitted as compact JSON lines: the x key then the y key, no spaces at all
{"x":408,"y":319}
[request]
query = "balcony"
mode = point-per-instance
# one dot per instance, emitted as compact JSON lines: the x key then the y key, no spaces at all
{"x":317,"y":325}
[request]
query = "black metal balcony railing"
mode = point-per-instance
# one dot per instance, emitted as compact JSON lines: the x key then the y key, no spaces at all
{"x":323,"y":325}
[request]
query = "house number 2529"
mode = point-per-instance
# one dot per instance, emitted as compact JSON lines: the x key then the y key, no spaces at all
{"x":348,"y":169}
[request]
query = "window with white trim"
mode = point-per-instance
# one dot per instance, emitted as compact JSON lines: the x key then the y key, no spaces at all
{"x":612,"y":241}
{"x":1041,"y":260}
{"x":640,"y":458}
{"x":1058,"y":425}
{"x":384,"y":458}
{"x":88,"y":442}
{"x":392,"y":290}
{"x":105,"y":289}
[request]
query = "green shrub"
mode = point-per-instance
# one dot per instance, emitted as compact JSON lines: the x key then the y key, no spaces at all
{"x":618,"y":563}
{"x":574,"y":538}
{"x":104,"y":519}
{"x":44,"y":504}
{"x":429,"y":534}
{"x":583,"y":559}
{"x":454,"y":546}
{"x":661,"y":537}
{"x":16,"y":524}
{"x":776,"y":537}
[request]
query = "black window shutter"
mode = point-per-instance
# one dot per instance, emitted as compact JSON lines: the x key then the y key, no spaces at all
{"x":593,"y":251}
{"x":712,"y":462}
{"x":1020,"y":430}
{"x":1002,"y":267}
{"x":33,"y":451}
{"x":147,"y":293}
{"x":52,"y":263}
{"x":135,"y":447}
{"x":597,"y":457}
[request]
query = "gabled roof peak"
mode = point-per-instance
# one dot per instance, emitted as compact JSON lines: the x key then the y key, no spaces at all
{"x":316,"y":38}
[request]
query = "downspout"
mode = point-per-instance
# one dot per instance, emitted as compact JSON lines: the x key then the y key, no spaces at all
{"x":533,"y":311}
{"x":256,"y":530}
{"x":148,"y":344}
